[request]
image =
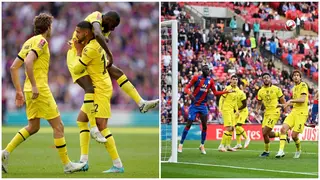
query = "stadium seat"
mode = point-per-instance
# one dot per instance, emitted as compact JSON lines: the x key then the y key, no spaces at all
{"x":315,"y":76}
{"x":307,"y":25}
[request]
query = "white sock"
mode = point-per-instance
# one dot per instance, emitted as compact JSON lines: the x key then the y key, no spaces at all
{"x":117,"y":163}
{"x":84,"y":158}
{"x":141,"y":102}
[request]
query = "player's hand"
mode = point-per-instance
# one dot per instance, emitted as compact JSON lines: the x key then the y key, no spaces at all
{"x":79,"y":46}
{"x":231,"y":91}
{"x":287,"y":104}
{"x":35,"y":92}
{"x":279,"y":105}
{"x":19,"y":99}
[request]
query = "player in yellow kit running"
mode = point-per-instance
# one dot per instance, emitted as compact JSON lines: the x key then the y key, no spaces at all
{"x":298,"y":115}
{"x":39,"y":99}
{"x":229,"y":109}
{"x":241,"y":119}
{"x":269,"y":95}
{"x":91,"y":60}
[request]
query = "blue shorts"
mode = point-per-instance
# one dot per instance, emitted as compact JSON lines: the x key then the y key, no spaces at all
{"x":193,"y":110}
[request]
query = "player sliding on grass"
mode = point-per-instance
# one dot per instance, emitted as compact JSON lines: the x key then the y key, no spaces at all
{"x":102,"y":27}
{"x":298,"y":115}
{"x":228,"y":105}
{"x":241,"y":119}
{"x":202,"y":84}
{"x":39,"y":100}
{"x":91,"y":60}
{"x":269,"y":95}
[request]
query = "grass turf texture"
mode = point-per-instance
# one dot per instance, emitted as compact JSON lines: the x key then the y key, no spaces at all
{"x":37,"y":157}
{"x":244,"y":163}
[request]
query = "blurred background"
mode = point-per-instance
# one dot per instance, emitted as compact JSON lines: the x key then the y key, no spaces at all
{"x":134,"y":44}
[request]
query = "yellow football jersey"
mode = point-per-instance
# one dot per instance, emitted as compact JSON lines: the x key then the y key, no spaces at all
{"x":299,"y":89}
{"x":241,"y":96}
{"x":94,"y":57}
{"x":39,"y":45}
{"x":229,"y":100}
{"x":270,"y":96}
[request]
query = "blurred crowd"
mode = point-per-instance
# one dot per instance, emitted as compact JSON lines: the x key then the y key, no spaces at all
{"x":225,"y":56}
{"x":134,"y":44}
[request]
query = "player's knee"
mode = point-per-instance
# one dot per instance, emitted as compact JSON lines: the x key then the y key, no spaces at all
{"x":283,"y":130}
{"x":58,"y":129}
{"x":101,"y":124}
{"x":204,"y":128}
{"x":89,"y":89}
{"x":32,"y":129}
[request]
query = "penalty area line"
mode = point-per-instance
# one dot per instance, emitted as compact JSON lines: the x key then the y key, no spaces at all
{"x":247,"y":168}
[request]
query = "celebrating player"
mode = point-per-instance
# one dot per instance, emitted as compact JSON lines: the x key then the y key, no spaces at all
{"x":202,"y":84}
{"x":241,"y":119}
{"x":269,"y":96}
{"x":91,"y":60}
{"x":298,"y":115}
{"x":102,"y":27}
{"x":39,"y":100}
{"x":228,"y":105}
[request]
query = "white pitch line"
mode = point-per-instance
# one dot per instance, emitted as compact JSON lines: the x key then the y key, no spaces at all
{"x":212,"y":149}
{"x":247,"y":168}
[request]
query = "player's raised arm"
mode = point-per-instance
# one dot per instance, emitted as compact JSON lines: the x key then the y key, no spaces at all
{"x":259,"y":104}
{"x":215,"y":92}
{"x":102,"y":41}
{"x":243,"y":101}
{"x":191,"y":83}
{"x":32,"y":56}
{"x":14,"y":71}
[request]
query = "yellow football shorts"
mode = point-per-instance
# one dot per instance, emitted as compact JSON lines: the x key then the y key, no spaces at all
{"x":296,"y":121}
{"x":71,"y":58}
{"x":44,"y":106}
{"x":243,"y":115}
{"x":228,"y":118}
{"x":270,"y":120}
{"x":102,"y":104}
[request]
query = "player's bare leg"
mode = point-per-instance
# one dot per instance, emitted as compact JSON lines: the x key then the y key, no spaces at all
{"x":295,"y":137}
{"x":265,"y":132}
{"x":283,"y":138}
{"x":128,"y":88}
{"x":88,"y":107}
{"x":32,"y":128}
{"x":204,"y":119}
{"x":184,"y":135}
{"x":110,"y":145}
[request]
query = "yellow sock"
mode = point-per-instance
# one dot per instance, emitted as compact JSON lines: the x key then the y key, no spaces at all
{"x":276,"y":134}
{"x":224,"y":138}
{"x":228,"y":140}
{"x":282,"y":141}
{"x":110,"y":144}
{"x":84,"y":137}
{"x":62,"y":149}
{"x":298,"y":145}
{"x":242,"y":132}
{"x":128,"y":88}
{"x":22,"y":135}
{"x":266,"y":147}
{"x":89,"y":109}
{"x":238,"y":135}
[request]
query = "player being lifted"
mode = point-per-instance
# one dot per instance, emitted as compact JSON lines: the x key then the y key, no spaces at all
{"x":91,"y":60}
{"x":241,"y":119}
{"x":102,"y":27}
{"x":39,"y":100}
{"x":228,"y":104}
{"x":298,"y":115}
{"x":202,"y":84}
{"x":269,"y":95}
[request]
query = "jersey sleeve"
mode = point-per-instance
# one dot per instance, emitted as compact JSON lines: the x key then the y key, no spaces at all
{"x":88,"y":53}
{"x":24,"y":51}
{"x":280,"y":94}
{"x":259,"y":96}
{"x":95,"y":17}
{"x":213,"y":88}
{"x":304,"y":88}
{"x":39,"y":45}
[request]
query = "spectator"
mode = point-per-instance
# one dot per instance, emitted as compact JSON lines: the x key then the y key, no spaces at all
{"x":256,"y":29}
{"x":298,"y":24}
{"x":233,"y":24}
{"x":246,"y":29}
{"x":290,"y":58}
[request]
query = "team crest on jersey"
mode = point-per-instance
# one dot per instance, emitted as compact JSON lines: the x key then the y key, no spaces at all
{"x":41,"y":43}
{"x":27,"y":46}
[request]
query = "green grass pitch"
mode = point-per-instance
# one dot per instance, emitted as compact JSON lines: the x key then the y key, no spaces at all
{"x":37,"y":157}
{"x":244,"y":163}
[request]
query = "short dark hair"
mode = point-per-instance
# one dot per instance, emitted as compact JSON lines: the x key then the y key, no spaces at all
{"x":42,"y":23}
{"x":234,"y":76}
{"x":265,"y":73}
{"x":84,"y":25}
{"x":114,"y":15}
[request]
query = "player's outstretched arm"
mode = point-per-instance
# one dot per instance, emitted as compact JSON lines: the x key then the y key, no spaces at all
{"x":31,"y":57}
{"x":215,"y":92}
{"x":102,"y":41}
{"x":14,"y":71}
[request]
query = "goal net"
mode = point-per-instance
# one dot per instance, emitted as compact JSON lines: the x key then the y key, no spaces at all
{"x":169,"y":90}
